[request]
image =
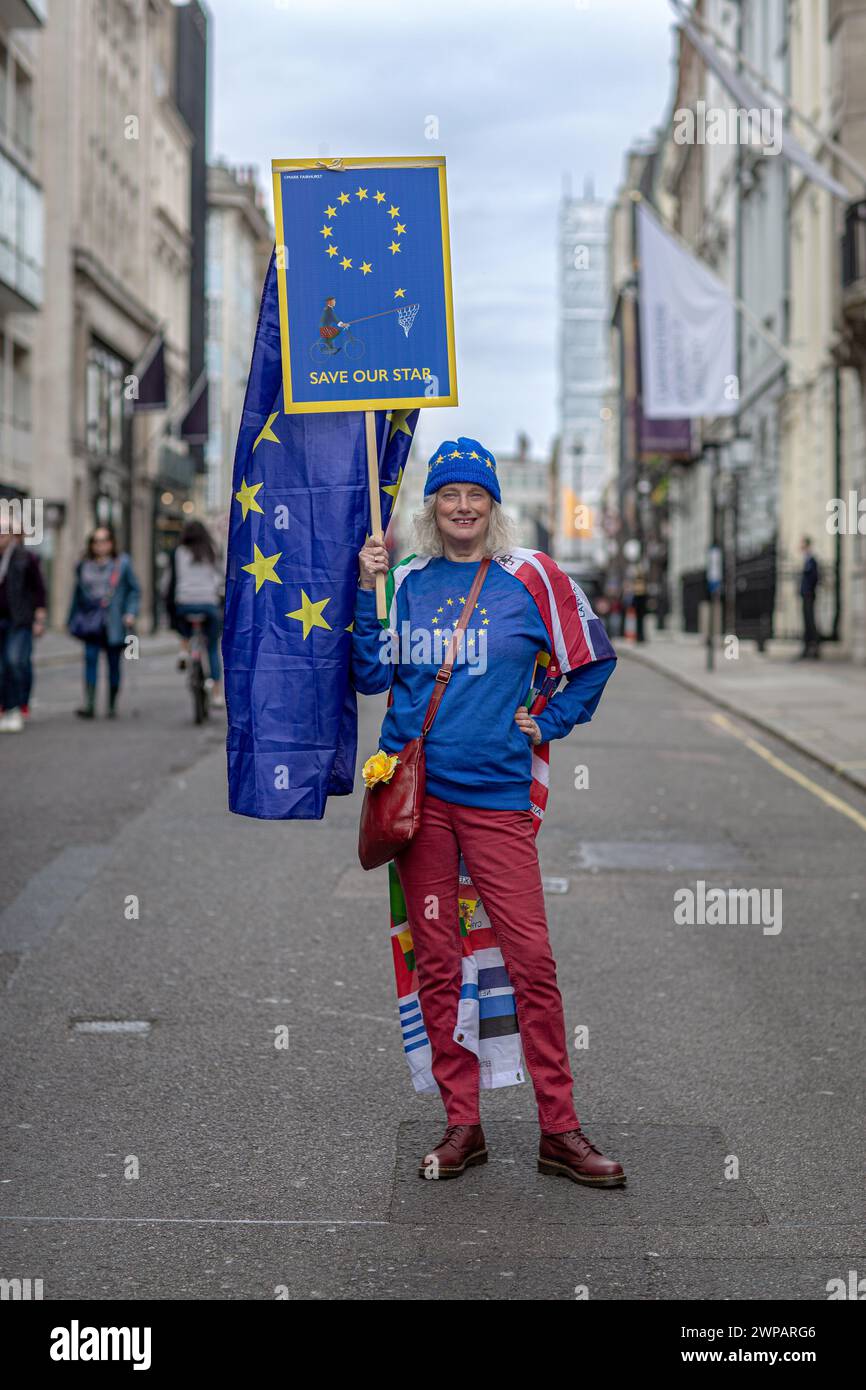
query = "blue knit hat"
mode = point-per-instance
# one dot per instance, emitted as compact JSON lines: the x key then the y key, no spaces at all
{"x":463,"y":461}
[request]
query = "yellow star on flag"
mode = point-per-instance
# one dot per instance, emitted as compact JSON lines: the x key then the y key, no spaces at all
{"x":326,"y":230}
{"x":346,"y":263}
{"x":394,"y":247}
{"x":380,"y":197}
{"x":398,"y":423}
{"x":330,"y":211}
{"x":333,"y":250}
{"x":474,"y":455}
{"x":247,"y":498}
{"x":263,"y":568}
{"x":393,"y":212}
{"x":310,"y":614}
{"x":394,"y":488}
{"x":366,"y":267}
{"x":361,"y":194}
{"x":344,"y":198}
{"x":399,"y":294}
{"x":266,"y":432}
{"x":399,"y":229}
{"x":455,"y":454}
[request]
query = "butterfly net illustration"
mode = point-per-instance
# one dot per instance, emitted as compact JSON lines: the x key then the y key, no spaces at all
{"x":406,"y":317}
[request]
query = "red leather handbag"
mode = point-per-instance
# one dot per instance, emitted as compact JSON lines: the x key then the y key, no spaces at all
{"x":391,"y":812}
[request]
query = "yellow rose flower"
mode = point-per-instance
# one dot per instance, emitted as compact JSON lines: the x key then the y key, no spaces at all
{"x":379,"y":768}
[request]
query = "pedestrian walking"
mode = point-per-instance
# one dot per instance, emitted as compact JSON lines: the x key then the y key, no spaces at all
{"x":105,"y":604}
{"x":22,"y":617}
{"x":810,"y":578}
{"x":636,"y":587}
{"x":478,"y":776}
{"x":196,"y":585}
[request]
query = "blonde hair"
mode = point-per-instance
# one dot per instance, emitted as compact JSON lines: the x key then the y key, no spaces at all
{"x":427,"y":538}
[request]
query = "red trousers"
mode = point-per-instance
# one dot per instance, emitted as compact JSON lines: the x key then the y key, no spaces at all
{"x":502,"y":859}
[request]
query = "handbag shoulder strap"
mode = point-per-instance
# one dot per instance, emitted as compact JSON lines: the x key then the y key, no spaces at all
{"x":443,"y":675}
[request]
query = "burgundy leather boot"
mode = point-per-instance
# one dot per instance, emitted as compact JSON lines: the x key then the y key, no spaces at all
{"x":571,"y":1155}
{"x":462,"y":1146}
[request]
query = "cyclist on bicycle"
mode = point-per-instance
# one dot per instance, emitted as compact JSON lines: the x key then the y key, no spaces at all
{"x":330,"y":326}
{"x":195,"y":586}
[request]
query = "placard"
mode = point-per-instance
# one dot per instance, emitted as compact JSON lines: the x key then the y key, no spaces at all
{"x":364,"y":282}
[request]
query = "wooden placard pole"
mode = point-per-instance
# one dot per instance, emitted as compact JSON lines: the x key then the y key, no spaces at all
{"x":375,"y":503}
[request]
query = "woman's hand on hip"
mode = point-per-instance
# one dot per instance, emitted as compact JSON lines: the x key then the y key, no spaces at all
{"x":372,"y":560}
{"x":528,"y":724}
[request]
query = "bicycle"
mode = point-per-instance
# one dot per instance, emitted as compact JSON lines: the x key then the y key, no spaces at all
{"x":199,"y":668}
{"x":351,"y":346}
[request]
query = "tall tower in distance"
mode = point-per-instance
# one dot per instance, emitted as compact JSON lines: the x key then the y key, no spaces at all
{"x":584,"y":379}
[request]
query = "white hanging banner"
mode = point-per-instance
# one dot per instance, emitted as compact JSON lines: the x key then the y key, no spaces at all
{"x":687,"y":330}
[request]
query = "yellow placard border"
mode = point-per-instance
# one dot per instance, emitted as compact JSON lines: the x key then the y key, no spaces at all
{"x":292,"y":407}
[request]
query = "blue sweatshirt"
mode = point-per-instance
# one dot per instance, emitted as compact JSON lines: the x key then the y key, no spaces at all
{"x":476,"y":754}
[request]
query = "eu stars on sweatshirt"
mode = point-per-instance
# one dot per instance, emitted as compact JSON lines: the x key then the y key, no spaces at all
{"x":476,"y":753}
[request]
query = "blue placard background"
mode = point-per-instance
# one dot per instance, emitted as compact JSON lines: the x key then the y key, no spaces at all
{"x":363,"y":230}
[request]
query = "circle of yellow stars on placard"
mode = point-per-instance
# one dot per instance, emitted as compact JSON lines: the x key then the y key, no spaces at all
{"x":328,"y":227}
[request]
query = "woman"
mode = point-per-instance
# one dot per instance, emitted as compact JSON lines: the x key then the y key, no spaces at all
{"x":22,"y":617}
{"x":108,"y":593}
{"x":195,"y":586}
{"x":479,"y":760}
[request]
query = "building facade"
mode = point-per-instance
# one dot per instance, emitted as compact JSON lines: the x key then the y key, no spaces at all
{"x":794,"y":255}
{"x":22,"y":246}
{"x":116,"y":158}
{"x":240,"y":240}
{"x":845,"y":107}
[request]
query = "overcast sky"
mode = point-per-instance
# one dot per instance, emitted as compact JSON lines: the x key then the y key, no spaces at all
{"x":523,"y":93}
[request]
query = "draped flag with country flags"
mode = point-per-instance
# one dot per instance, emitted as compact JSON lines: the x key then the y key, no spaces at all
{"x":300,"y":513}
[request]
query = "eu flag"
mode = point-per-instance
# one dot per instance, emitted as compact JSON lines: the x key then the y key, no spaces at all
{"x":300,"y":513}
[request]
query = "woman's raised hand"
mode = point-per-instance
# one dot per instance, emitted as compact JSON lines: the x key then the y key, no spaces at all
{"x":372,"y":560}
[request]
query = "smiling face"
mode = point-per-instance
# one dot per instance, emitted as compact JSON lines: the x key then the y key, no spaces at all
{"x":463,"y":513}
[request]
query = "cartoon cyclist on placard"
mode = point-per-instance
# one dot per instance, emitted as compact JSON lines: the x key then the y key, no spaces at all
{"x":330,"y":327}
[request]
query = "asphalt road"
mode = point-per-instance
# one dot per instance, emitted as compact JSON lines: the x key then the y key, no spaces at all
{"x":198,"y":1160}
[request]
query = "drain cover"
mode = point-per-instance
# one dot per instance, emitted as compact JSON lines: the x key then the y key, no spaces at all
{"x":110,"y":1025}
{"x":662,"y":855}
{"x":555,"y":885}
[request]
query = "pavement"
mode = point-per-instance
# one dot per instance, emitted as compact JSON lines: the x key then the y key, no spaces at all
{"x":817,"y":707}
{"x":250,"y":1131}
{"x":59,"y":649}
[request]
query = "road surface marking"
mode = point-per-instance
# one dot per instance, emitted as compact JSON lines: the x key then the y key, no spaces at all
{"x":800,"y":778}
{"x":198,"y":1220}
